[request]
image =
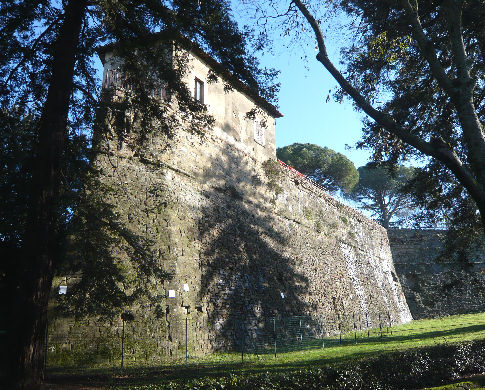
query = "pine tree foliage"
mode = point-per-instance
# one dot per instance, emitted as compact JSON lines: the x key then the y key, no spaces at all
{"x":332,"y":170}
{"x":380,"y":191}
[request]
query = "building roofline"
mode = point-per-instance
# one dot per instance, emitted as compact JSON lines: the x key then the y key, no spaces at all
{"x":217,"y":67}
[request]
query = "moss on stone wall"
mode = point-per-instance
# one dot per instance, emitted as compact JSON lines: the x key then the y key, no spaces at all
{"x":272,"y":171}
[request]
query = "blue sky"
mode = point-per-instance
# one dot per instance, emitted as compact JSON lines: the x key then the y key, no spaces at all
{"x":308,"y":118}
{"x":305,"y":83}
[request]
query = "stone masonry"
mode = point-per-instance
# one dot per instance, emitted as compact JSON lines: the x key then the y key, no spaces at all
{"x":434,"y":286}
{"x":250,"y":238}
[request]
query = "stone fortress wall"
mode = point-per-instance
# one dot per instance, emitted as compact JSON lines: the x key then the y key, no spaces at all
{"x":245,"y":236}
{"x":435,"y":287}
{"x":241,"y":233}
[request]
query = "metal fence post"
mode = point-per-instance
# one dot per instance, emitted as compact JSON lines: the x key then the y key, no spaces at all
{"x":122,"y":343}
{"x":389,"y":318}
{"x":274,"y":331}
{"x":355,"y":326}
{"x":323,"y":334}
{"x":242,"y":342}
{"x":380,"y":324}
{"x":186,"y":339}
{"x":367,"y":323}
{"x":300,"y":335}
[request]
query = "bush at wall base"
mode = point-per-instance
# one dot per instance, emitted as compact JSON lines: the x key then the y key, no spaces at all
{"x":412,"y":369}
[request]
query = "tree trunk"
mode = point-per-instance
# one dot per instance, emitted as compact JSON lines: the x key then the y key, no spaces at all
{"x":383,"y":209}
{"x":31,"y":282}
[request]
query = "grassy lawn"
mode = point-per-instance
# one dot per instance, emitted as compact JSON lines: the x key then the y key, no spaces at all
{"x":416,"y":334}
{"x":475,"y":383}
{"x":412,"y":335}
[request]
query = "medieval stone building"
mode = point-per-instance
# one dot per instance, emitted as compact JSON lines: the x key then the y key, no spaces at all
{"x":242,"y":235}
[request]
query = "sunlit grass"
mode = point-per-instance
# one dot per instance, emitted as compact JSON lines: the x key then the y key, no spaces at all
{"x":415,"y":334}
{"x":475,"y":383}
{"x":352,"y":345}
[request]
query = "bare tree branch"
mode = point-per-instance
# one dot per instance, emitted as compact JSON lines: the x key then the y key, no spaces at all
{"x":436,"y":148}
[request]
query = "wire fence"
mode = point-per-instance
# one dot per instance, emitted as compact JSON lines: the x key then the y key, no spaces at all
{"x":186,"y":342}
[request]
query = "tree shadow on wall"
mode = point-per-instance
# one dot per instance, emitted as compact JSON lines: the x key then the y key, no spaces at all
{"x":246,"y":278}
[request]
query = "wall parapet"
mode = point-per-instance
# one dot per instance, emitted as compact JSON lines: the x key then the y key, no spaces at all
{"x":312,"y":186}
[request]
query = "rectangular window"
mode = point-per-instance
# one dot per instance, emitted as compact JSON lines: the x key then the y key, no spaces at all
{"x":199,"y":91}
{"x":113,"y":78}
{"x":259,"y":132}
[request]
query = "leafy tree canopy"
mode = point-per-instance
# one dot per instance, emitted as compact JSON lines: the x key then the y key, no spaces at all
{"x":441,"y":201}
{"x":417,"y":69}
{"x":331,"y":169}
{"x":380,"y":190}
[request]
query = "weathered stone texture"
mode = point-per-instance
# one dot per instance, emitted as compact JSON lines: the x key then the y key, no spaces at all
{"x":241,"y":235}
{"x":250,"y":238}
{"x":437,"y":287}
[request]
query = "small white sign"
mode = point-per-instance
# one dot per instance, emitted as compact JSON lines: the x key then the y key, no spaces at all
{"x":62,"y":290}
{"x":186,"y":287}
{"x":171,"y":293}
{"x":282,"y":295}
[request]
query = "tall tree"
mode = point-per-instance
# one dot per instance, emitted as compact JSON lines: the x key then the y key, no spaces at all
{"x":442,"y":201}
{"x":331,"y":169}
{"x":47,"y":73}
{"x":381,"y":191}
{"x":416,"y":68}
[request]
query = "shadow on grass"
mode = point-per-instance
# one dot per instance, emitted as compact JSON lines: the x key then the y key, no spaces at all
{"x":170,"y":372}
{"x":439,"y":333}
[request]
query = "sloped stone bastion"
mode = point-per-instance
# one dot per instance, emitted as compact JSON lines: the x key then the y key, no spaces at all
{"x":438,"y":286}
{"x":242,"y":236}
{"x":248,"y":240}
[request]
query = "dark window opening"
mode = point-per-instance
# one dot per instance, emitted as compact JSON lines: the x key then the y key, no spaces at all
{"x":199,"y":91}
{"x":160,"y":92}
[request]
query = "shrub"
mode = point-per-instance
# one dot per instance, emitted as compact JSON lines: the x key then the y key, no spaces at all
{"x":411,"y":369}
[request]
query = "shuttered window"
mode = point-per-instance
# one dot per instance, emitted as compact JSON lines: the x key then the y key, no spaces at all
{"x":259,"y":132}
{"x":199,"y":90}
